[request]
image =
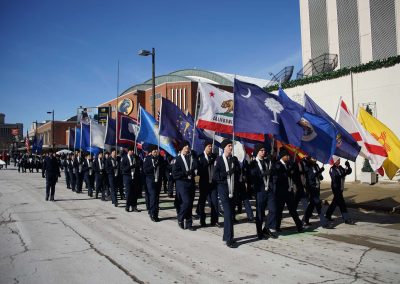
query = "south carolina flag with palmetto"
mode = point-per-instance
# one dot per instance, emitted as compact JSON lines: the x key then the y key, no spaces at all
{"x":216,"y":112}
{"x":386,"y":138}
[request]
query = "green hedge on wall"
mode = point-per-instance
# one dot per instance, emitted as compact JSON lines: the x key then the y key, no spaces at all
{"x":372,"y":65}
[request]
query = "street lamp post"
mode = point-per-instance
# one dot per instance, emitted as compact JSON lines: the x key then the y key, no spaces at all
{"x":52,"y":128}
{"x":153,"y":75}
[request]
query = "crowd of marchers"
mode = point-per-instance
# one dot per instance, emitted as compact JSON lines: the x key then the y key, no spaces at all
{"x":224,"y":183}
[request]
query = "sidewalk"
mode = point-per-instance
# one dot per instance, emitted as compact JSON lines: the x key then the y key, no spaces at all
{"x":383,"y":196}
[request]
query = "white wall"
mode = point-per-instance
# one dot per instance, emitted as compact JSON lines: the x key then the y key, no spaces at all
{"x":381,"y":86}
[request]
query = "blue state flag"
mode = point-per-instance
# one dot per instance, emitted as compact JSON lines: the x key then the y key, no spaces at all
{"x":148,"y":133}
{"x":179,"y":126}
{"x":263,"y":113}
{"x":77,"y":142}
{"x":34,"y":145}
{"x":128,"y":128}
{"x":346,"y":146}
{"x":71,"y":138}
{"x":319,"y":138}
{"x":39,"y":145}
{"x":110,"y":138}
{"x":85,"y":136}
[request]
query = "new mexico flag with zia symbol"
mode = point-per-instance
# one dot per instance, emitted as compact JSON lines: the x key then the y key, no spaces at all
{"x":386,"y":138}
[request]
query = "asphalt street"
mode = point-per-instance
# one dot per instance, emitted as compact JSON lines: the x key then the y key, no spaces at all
{"x":77,"y":239}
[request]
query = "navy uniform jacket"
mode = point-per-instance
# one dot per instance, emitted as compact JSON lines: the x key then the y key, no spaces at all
{"x":220,"y":174}
{"x":126,"y":166}
{"x":179,"y":171}
{"x":96,"y":167}
{"x":257,"y":176}
{"x":110,"y":169}
{"x":338,"y":175}
{"x":50,"y":167}
{"x":70,"y":165}
{"x":149,"y":170}
{"x":78,"y":165}
{"x":279,"y":181}
{"x":86,"y":167}
{"x":202,"y":168}
{"x":313,"y":175}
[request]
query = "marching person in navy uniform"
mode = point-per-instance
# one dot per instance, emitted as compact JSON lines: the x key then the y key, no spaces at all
{"x":170,"y":178}
{"x":66,"y":173}
{"x":71,"y":171}
{"x":78,"y":172}
{"x":338,"y":175}
{"x":153,"y":169}
{"x":131,"y":171}
{"x":281,"y":189}
{"x":260,"y":169}
{"x":244,"y":191}
{"x":113,"y":172}
{"x":226,"y":174}
{"x":184,"y":172}
{"x":88,"y":175}
{"x":50,"y":171}
{"x":99,"y":171}
{"x":313,"y":180}
{"x":207,"y":187}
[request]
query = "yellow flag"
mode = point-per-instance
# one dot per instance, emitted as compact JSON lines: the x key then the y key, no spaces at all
{"x":385,"y":137}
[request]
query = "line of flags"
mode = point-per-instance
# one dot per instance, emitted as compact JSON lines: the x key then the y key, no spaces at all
{"x":250,"y":115}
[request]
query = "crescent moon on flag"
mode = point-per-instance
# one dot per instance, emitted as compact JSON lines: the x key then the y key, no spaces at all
{"x":248,"y":94}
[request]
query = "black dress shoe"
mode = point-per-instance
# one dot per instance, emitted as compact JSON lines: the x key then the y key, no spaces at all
{"x":136,"y":210}
{"x":127,"y":209}
{"x":154,"y":219}
{"x":230,"y":244}
{"x":191,"y":228}
{"x":271,"y":234}
{"x":350,"y":222}
{"x":261,"y":237}
{"x":47,"y":199}
{"x":116,"y":204}
{"x":181,"y":225}
{"x":329,"y":218}
{"x":300,"y":229}
{"x":251,"y":219}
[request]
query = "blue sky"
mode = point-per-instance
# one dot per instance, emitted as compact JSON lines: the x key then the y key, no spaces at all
{"x":62,"y":54}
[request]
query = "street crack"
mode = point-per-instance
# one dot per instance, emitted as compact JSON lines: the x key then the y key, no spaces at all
{"x":110,"y":259}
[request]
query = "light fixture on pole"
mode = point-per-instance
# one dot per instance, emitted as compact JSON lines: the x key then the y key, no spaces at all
{"x":153,"y":57}
{"x":52,"y":128}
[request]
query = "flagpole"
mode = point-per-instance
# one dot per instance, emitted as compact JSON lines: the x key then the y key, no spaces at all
{"x":80,"y":138}
{"x":159,"y":125}
{"x":75,"y":140}
{"x":195,"y":115}
{"x":69,"y":137}
{"x":135,"y":146}
{"x":90,"y":134}
{"x":116,"y":111}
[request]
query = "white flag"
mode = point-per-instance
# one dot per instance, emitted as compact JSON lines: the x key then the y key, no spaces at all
{"x":371,"y":149}
{"x":97,"y":134}
{"x":216,"y":109}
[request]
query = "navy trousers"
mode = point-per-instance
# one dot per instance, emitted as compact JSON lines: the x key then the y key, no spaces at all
{"x":185,"y":192}
{"x":153,"y":196}
{"x":228,"y":206}
{"x":112,"y":180}
{"x":50,"y":186}
{"x":261,"y":205}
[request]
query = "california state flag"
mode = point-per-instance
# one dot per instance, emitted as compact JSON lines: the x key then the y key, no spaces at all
{"x":371,"y":149}
{"x":216,"y":112}
{"x":216,"y":109}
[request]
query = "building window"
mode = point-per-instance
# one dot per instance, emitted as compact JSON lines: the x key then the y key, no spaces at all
{"x":180,"y":99}
{"x":184,"y":99}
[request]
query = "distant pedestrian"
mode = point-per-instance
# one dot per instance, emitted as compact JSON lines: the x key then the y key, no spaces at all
{"x":51,"y":172}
